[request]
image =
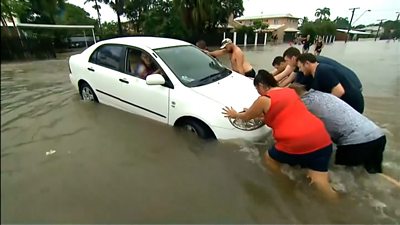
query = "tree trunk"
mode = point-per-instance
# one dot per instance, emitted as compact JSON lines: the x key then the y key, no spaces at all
{"x":119,"y":25}
{"x":16,"y":29}
{"x":98,"y":16}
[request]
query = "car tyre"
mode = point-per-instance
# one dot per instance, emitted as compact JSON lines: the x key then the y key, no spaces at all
{"x":197,"y":128}
{"x":87,"y":93}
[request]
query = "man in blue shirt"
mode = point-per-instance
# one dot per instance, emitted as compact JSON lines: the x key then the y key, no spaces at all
{"x":291,"y":55}
{"x":330,"y":79}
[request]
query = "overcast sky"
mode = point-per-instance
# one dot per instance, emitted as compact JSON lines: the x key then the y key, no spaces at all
{"x":380,"y":9}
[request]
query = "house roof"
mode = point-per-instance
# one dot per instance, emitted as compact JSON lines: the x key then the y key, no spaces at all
{"x":353,"y":31}
{"x":291,"y":29}
{"x":275,"y":26}
{"x":288,"y":15}
{"x":370,"y":28}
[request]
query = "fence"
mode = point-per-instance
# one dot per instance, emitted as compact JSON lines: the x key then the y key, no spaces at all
{"x":262,"y":38}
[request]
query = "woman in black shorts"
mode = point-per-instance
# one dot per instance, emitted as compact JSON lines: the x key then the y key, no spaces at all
{"x":318,"y":46}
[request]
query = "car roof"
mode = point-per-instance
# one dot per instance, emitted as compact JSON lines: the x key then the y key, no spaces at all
{"x":150,"y":42}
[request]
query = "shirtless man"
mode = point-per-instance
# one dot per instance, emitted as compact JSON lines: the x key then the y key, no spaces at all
{"x":238,"y":61}
{"x":282,"y":71}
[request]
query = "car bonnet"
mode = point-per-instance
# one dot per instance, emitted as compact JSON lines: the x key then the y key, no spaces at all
{"x":235,"y":90}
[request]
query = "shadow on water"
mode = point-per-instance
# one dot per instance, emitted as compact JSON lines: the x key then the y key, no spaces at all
{"x":64,"y":160}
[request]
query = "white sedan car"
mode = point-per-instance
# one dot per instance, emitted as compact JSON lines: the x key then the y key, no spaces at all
{"x":167,"y":80}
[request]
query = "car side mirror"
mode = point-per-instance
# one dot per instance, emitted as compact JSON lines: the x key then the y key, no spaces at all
{"x":155,"y":79}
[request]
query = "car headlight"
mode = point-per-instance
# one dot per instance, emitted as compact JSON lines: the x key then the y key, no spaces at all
{"x":246,"y":125}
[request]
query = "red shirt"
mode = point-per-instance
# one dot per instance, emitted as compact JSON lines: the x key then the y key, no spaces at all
{"x":295,"y":129}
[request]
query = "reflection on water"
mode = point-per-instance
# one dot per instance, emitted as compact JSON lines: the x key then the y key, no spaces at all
{"x":113,"y":167}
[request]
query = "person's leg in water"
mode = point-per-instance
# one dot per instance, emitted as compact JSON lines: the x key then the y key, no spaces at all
{"x":321,"y":181}
{"x":318,"y":173}
{"x":271,"y":163}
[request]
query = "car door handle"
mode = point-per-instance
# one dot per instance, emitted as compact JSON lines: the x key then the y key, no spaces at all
{"x":124,"y":81}
{"x":90,"y":69}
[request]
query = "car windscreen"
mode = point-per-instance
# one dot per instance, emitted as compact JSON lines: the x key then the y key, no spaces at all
{"x":192,"y":66}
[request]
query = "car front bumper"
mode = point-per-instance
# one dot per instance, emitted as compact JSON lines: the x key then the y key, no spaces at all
{"x":255,"y":135}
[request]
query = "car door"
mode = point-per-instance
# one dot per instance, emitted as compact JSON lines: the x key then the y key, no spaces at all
{"x":105,"y":66}
{"x":151,"y":101}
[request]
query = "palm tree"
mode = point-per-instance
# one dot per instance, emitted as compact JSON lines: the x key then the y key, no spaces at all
{"x":10,"y":9}
{"x":97,"y":7}
{"x":323,"y":13}
{"x":304,"y":20}
{"x":118,"y":7}
{"x":195,"y":13}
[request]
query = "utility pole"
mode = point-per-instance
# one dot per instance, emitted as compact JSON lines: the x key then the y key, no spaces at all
{"x":380,"y":24}
{"x":398,"y":14}
{"x":351,"y":20}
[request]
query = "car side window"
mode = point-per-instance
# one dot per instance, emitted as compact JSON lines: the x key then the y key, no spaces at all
{"x":141,"y":64}
{"x":109,"y":56}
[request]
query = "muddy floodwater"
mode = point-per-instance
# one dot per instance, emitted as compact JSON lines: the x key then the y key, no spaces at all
{"x":68,"y":161}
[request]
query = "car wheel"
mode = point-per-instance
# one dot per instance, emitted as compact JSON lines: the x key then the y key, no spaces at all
{"x":197,"y":128}
{"x":87,"y":93}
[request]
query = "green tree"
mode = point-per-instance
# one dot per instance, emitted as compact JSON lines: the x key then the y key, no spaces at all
{"x":97,"y":7}
{"x":119,"y":8}
{"x":304,"y":20}
{"x":391,"y":29}
{"x":74,"y":15}
{"x":308,"y":29}
{"x":342,"y":22}
{"x":163,"y":20}
{"x":325,"y":27}
{"x":222,"y":10}
{"x":204,"y":15}
{"x":135,"y":10}
{"x":110,"y":29}
{"x":245,"y":29}
{"x":42,"y":11}
{"x":11,"y":9}
{"x":323,"y":14}
{"x":259,"y":25}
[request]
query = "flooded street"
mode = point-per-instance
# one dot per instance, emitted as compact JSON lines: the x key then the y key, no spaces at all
{"x":68,"y":161}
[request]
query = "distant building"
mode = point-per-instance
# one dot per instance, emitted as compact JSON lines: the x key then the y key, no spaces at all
{"x":372,"y":30}
{"x":285,"y":26}
{"x":79,"y":42}
{"x":353,"y":34}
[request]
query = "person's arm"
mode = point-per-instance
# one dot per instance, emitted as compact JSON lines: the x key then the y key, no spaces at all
{"x":288,"y":70}
{"x":274,"y":72}
{"x":338,"y":90}
{"x":329,"y":82}
{"x":218,"y":53}
{"x":288,"y":80}
{"x":261,"y":105}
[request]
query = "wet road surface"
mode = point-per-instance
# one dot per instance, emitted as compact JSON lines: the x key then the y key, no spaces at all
{"x":68,"y":161}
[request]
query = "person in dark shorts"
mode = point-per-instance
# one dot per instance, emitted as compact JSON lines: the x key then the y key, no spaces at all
{"x":306,"y":44}
{"x":300,"y":137}
{"x":328,"y":79}
{"x":359,"y":140}
{"x":318,"y":46}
